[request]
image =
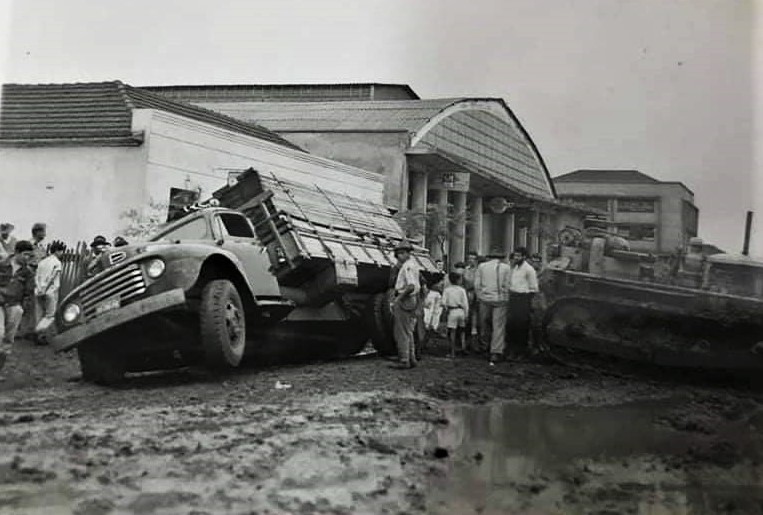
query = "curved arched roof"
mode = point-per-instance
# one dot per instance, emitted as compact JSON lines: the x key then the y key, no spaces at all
{"x":483,"y":133}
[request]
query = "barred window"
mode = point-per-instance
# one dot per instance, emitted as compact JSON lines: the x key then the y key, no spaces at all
{"x":635,"y":205}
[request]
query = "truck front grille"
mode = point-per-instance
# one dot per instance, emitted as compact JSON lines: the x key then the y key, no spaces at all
{"x":125,"y":284}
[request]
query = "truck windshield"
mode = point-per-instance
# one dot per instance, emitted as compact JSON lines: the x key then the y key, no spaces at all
{"x":196,"y":229}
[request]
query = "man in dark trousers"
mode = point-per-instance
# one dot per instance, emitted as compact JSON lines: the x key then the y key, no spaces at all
{"x":522,"y":286}
{"x":16,"y":287}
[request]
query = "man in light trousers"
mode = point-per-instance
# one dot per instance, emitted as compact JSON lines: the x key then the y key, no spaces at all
{"x":404,"y":305}
{"x":47,"y":283}
{"x":491,"y":286}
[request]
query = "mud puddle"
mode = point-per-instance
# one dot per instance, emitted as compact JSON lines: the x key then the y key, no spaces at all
{"x":507,"y":458}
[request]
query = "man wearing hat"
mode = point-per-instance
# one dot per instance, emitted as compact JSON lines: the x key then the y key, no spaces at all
{"x":97,"y":248}
{"x":491,"y":286}
{"x":16,"y":287}
{"x":7,"y":242}
{"x":405,"y":304}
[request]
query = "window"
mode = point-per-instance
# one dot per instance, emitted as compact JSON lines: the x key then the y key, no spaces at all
{"x":196,"y":229}
{"x":236,"y":225}
{"x":594,"y":202}
{"x":636,"y":232}
{"x":635,"y":205}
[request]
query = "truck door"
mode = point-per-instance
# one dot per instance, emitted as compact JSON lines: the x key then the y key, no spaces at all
{"x":238,"y":237}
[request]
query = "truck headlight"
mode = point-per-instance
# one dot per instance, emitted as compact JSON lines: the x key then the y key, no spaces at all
{"x":155,"y":268}
{"x":70,"y":313}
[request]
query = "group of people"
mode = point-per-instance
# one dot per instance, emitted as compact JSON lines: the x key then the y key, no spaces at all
{"x":485,"y":304}
{"x":30,"y":279}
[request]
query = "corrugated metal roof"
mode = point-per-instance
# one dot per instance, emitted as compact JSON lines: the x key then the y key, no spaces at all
{"x":98,"y":113}
{"x":337,"y":92}
{"x":368,"y":115}
{"x":619,"y":176}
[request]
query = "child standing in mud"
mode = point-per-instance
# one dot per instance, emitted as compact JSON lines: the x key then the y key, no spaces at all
{"x":456,"y":305}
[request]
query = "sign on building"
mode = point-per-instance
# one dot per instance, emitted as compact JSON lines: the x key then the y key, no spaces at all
{"x":450,"y":181}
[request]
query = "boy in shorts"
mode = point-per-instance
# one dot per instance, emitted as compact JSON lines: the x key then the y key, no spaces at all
{"x":456,"y":305}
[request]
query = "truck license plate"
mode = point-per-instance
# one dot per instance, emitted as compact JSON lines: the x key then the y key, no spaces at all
{"x":107,"y":305}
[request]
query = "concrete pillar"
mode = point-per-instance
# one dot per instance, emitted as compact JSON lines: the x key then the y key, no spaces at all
{"x":458,"y":236}
{"x":442,"y":205}
{"x":419,"y":197}
{"x":440,"y":199}
{"x":534,"y":243}
{"x":475,"y":220}
{"x":487,"y":228}
{"x":508,"y":241}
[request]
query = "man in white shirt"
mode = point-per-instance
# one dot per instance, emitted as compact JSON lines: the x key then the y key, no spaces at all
{"x":523,"y":285}
{"x":404,"y":305}
{"x":47,"y":283}
{"x":491,"y":286}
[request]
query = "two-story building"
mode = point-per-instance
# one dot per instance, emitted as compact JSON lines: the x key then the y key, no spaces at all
{"x":655,"y":216}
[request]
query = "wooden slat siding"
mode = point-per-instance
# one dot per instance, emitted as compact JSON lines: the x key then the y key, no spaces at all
{"x":74,"y":271}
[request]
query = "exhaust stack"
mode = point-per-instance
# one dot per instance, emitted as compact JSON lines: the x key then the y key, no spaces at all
{"x":747,"y":231}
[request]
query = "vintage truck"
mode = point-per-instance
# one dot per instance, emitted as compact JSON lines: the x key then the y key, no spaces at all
{"x":294,"y":270}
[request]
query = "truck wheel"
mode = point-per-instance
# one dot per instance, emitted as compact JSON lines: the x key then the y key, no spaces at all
{"x":381,"y":325}
{"x":100,"y":364}
{"x":223,"y":324}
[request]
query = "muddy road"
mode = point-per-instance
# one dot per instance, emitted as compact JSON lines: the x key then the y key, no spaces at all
{"x":354,"y":436}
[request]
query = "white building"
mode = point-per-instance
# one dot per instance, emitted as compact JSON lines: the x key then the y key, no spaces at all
{"x":80,"y":156}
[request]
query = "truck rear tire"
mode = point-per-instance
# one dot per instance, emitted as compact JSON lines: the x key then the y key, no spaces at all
{"x":100,"y":364}
{"x":223,"y":324}
{"x":380,"y":322}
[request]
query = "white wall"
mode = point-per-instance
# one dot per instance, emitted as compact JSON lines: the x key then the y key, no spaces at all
{"x":78,"y":191}
{"x":187,"y":154}
{"x":83,"y":191}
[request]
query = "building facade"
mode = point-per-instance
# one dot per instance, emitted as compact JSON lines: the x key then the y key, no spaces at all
{"x":89,"y":159}
{"x":655,"y":216}
{"x":464,"y":168}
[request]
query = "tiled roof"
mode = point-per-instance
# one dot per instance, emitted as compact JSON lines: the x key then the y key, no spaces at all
{"x":617,"y":176}
{"x":97,"y":113}
{"x":368,"y":115}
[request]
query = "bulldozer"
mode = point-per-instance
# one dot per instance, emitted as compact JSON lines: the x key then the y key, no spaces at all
{"x":689,"y":309}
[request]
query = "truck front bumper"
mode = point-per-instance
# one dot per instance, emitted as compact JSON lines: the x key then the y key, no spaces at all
{"x":159,"y":302}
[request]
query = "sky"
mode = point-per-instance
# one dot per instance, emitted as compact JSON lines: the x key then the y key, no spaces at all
{"x":663,"y":86}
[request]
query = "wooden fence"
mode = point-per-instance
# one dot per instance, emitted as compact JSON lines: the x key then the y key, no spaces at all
{"x":74,"y":264}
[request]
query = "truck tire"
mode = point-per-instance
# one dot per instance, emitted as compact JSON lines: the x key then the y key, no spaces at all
{"x":223,"y":324}
{"x":380,"y":323}
{"x":100,"y":364}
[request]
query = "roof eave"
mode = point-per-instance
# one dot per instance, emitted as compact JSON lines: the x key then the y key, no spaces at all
{"x":135,"y":140}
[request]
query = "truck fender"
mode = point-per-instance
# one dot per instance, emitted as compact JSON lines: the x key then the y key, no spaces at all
{"x":220,"y":266}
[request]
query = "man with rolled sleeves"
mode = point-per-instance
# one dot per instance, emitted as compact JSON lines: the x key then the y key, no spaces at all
{"x":491,"y":286}
{"x":404,"y":305}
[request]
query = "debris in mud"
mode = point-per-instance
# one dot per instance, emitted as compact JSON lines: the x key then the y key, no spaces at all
{"x":380,"y":447}
{"x":440,"y":453}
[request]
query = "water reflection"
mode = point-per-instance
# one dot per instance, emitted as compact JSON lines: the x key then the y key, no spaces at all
{"x":542,"y":459}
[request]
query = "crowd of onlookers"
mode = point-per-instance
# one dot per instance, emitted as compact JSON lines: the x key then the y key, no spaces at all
{"x":481,"y":306}
{"x":30,"y":279}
